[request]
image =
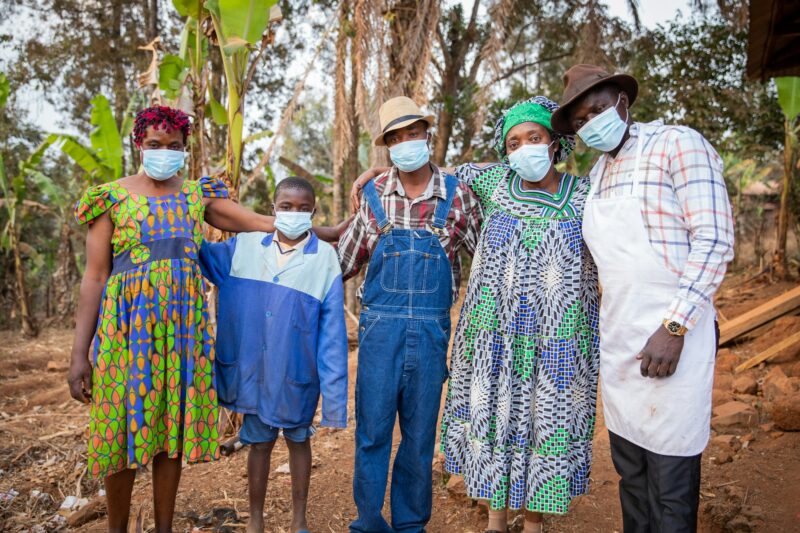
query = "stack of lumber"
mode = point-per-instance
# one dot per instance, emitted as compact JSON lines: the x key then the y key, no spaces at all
{"x":786,"y":303}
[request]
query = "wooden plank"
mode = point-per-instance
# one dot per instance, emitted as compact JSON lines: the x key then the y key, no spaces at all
{"x":769,"y":353}
{"x":775,"y":308}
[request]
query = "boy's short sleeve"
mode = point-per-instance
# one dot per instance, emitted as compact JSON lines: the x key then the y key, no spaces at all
{"x":216,"y":259}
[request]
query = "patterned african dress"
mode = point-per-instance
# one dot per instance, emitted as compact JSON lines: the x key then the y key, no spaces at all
{"x":153,"y":352}
{"x":520,"y":409}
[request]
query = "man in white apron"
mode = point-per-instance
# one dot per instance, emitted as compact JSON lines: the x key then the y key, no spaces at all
{"x":658,"y":223}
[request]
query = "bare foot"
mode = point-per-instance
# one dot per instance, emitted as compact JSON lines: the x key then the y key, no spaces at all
{"x":255,"y":524}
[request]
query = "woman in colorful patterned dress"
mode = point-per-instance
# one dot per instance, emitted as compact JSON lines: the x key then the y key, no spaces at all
{"x":520,"y":409}
{"x":151,"y":380}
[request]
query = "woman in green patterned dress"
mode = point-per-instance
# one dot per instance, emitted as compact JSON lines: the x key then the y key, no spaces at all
{"x":519,"y":416}
{"x":150,"y":380}
{"x":520,"y":409}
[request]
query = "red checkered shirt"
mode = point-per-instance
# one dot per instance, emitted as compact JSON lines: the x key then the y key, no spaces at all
{"x":461,"y":229}
{"x":685,"y":206}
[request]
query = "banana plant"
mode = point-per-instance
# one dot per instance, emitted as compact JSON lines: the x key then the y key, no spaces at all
{"x":15,"y":202}
{"x":103,"y":159}
{"x":241,"y":32}
{"x":789,"y":100}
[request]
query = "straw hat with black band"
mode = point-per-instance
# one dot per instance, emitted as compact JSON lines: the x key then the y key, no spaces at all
{"x":579,"y":80}
{"x":397,"y":113}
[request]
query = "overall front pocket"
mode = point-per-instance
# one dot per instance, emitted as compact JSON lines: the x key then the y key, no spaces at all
{"x":410,"y":271}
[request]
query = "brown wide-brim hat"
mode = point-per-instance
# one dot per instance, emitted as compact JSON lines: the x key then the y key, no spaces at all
{"x":579,"y":80}
{"x":397,"y":113}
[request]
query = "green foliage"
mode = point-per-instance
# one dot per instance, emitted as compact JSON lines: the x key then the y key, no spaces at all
{"x":216,"y":110}
{"x":244,"y":20}
{"x":171,"y":75}
{"x":692,"y":73}
{"x":5,"y":89}
{"x":188,"y":8}
{"x":789,"y":95}
{"x":105,"y":137}
{"x":103,"y":160}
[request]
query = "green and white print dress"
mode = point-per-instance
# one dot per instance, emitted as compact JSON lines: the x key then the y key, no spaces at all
{"x":520,"y":409}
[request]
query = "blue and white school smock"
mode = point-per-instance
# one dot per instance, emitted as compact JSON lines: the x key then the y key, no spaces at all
{"x":281,"y":335}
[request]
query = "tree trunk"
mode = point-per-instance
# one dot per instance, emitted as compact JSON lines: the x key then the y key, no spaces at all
{"x":29,"y":327}
{"x":779,"y":262}
{"x":66,"y":277}
{"x":119,"y":84}
{"x":151,"y":8}
{"x":340,"y":108}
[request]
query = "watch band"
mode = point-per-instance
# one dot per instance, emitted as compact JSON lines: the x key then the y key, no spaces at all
{"x":675,"y":328}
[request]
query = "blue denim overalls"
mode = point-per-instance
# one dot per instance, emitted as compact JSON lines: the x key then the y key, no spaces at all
{"x":404,"y":332}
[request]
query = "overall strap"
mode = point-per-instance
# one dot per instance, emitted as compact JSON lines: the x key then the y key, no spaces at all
{"x":443,"y":208}
{"x":374,"y":203}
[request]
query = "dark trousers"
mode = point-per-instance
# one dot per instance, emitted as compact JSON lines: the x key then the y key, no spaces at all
{"x":658,"y":493}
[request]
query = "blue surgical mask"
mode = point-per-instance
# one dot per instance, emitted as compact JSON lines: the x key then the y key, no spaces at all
{"x":161,"y":165}
{"x":605,"y":131}
{"x":293,"y":223}
{"x":531,"y":161}
{"x":410,"y":155}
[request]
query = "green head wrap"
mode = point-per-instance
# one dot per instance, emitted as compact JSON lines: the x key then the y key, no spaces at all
{"x":526,"y":112}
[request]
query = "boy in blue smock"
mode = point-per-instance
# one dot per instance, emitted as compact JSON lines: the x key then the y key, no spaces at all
{"x":281,"y":340}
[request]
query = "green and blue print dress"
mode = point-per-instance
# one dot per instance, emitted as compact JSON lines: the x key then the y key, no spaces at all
{"x":153,"y":351}
{"x":520,"y":409}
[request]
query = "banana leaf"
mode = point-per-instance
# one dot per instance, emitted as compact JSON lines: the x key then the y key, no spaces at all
{"x":244,"y":19}
{"x":789,"y":95}
{"x":5,"y":90}
{"x":105,"y":138}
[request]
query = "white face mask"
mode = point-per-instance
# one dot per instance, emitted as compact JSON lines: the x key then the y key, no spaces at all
{"x":408,"y":156}
{"x":531,"y":161}
{"x":605,"y":131}
{"x":293,"y":224}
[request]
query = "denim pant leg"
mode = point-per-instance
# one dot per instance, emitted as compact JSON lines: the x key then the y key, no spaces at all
{"x":425,"y":370}
{"x":378,"y":379}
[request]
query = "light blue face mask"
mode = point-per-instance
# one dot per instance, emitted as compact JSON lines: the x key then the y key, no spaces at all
{"x":410,"y":155}
{"x":531,"y":161}
{"x":161,"y":165}
{"x":605,"y":131}
{"x":293,"y":223}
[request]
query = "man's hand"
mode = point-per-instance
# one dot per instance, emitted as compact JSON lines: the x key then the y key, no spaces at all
{"x":80,"y":379}
{"x":661,"y":354}
{"x":363,"y":179}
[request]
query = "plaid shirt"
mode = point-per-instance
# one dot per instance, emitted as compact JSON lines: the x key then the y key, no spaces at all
{"x":462,"y":228}
{"x":685,"y":208}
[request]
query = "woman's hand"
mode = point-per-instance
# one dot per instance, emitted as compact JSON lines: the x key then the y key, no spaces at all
{"x":98,"y":268}
{"x":80,"y":378}
{"x":362,"y":180}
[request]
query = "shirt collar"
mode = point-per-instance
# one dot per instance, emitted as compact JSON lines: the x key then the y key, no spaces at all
{"x":311,"y":242}
{"x":436,"y":185}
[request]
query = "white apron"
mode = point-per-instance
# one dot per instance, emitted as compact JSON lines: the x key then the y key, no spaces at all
{"x":668,"y":416}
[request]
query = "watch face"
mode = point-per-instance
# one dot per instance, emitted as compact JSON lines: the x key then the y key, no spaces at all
{"x":674,"y":327}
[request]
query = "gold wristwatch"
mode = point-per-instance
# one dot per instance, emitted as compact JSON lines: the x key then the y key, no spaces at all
{"x":675,"y":328}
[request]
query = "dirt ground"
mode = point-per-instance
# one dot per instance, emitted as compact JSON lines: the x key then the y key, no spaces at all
{"x":43,"y":457}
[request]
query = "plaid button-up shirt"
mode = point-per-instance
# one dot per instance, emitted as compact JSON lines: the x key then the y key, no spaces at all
{"x":461,"y":229}
{"x":685,"y":206}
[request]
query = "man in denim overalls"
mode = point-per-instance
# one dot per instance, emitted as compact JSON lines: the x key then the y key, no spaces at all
{"x":409,"y":230}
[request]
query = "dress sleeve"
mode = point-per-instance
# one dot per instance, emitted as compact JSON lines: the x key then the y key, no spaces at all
{"x":213,"y":187}
{"x":481,"y":178}
{"x":96,"y":201}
